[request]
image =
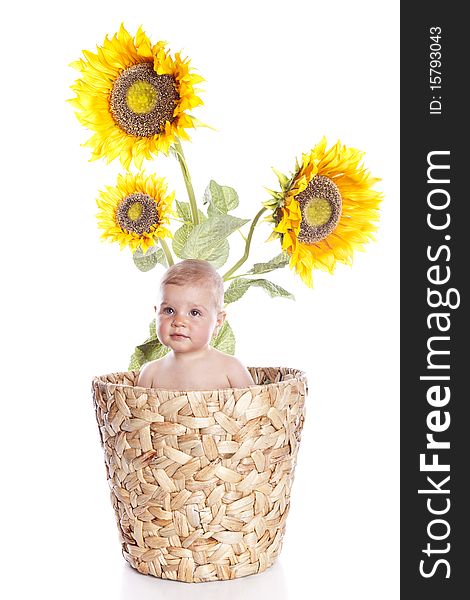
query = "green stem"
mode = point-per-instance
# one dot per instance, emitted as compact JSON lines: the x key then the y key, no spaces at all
{"x":167,"y":252}
{"x":187,"y":180}
{"x":237,"y":275}
{"x":247,"y":246}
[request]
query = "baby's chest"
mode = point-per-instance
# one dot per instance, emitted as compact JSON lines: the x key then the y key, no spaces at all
{"x":204,"y":378}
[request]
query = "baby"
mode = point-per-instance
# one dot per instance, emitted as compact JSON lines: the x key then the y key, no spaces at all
{"x":190,"y":313}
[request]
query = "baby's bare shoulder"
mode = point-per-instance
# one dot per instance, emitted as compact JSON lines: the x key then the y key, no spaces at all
{"x":227,"y":360}
{"x":149,"y":373}
{"x":236,"y":372}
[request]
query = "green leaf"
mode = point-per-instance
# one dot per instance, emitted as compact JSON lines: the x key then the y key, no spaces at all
{"x":180,"y":238}
{"x":206,"y":237}
{"x":220,"y":198}
{"x":183,"y":210}
{"x":225,"y":339}
{"x":279,"y":261}
{"x":283,"y":179}
{"x":149,"y":350}
{"x":218,"y":256}
{"x":147,"y":261}
{"x":239,"y":286}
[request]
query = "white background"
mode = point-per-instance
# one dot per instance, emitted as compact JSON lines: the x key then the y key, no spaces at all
{"x":279,"y":76}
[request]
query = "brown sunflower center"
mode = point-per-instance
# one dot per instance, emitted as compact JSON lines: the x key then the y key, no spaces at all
{"x":137,"y":213}
{"x":141,"y":97}
{"x":320,"y":204}
{"x":142,"y":101}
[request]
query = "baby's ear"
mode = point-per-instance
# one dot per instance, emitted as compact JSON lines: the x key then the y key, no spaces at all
{"x":221,"y":317}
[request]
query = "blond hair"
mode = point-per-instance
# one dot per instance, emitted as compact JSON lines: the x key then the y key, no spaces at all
{"x":195,"y":271}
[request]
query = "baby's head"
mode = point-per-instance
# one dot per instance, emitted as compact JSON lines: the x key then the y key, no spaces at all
{"x":190,"y":309}
{"x":195,"y":272}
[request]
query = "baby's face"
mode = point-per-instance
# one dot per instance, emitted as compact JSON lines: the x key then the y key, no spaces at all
{"x":187,"y":317}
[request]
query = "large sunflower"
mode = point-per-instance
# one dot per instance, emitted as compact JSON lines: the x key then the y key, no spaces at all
{"x":325,"y":210}
{"x":135,"y":97}
{"x":134,"y":212}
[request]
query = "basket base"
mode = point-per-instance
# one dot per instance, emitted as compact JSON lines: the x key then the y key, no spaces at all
{"x":187,"y":572}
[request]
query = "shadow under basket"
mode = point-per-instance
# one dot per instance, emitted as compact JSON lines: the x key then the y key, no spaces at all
{"x":200,"y":481}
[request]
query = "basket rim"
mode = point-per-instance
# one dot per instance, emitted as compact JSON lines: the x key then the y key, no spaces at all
{"x":298,"y":375}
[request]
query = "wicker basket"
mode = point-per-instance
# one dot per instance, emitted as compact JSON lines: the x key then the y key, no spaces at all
{"x":200,"y":481}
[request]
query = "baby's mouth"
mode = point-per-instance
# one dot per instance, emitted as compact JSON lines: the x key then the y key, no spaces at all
{"x":179,"y":336}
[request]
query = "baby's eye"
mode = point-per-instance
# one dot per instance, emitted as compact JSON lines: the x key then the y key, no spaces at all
{"x":167,"y":310}
{"x":195,"y":312}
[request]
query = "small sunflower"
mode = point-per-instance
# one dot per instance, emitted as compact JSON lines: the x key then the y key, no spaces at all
{"x":135,"y":97}
{"x":325,"y":210}
{"x":134,"y":212}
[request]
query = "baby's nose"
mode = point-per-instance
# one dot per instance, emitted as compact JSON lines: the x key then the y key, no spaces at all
{"x":178,"y":320}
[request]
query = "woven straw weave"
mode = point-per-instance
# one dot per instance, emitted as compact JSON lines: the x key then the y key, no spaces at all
{"x":200,"y":481}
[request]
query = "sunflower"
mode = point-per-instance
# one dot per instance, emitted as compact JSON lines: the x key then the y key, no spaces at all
{"x":134,"y":212}
{"x":135,"y":97}
{"x":325,"y":210}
